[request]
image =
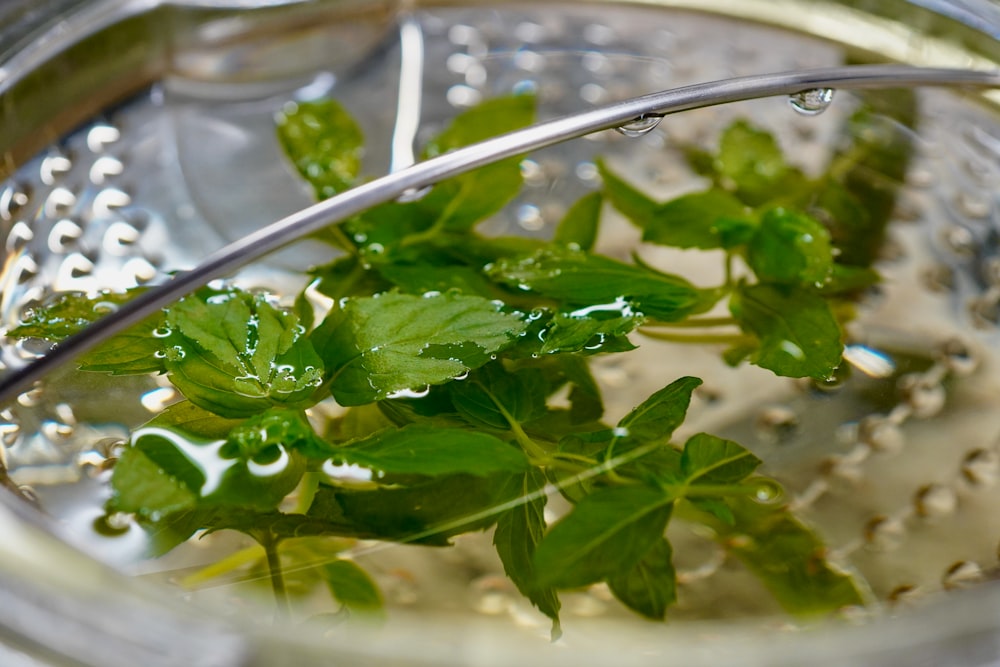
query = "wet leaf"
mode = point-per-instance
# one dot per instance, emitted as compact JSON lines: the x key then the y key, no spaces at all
{"x":324,"y":143}
{"x":375,"y":347}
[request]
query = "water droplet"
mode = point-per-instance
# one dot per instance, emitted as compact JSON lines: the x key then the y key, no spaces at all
{"x":811,"y":102}
{"x":768,"y":491}
{"x":961,"y":574}
{"x":639,"y":127}
{"x":410,"y":195}
{"x":981,"y":467}
{"x":884,"y":533}
{"x":113,"y":525}
{"x":935,"y":500}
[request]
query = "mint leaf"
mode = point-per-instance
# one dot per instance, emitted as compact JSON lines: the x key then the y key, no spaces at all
{"x":518,"y":532}
{"x":351,"y":586}
{"x":429,"y":451}
{"x":788,"y":558}
{"x":798,"y":334}
{"x":580,"y":225}
{"x":493,"y":396}
{"x":791,"y":248}
{"x":751,"y":162}
{"x":692,"y":221}
{"x":166,"y":470}
{"x":422,"y":512}
{"x":660,"y":414}
{"x":235,"y":354}
{"x":583,"y":279}
{"x":650,"y":586}
{"x":629,"y":200}
{"x":588,"y":334}
{"x":136,"y":351}
{"x":606,"y":534}
{"x":708,"y":459}
{"x":377,"y":346}
{"x":324,"y":143}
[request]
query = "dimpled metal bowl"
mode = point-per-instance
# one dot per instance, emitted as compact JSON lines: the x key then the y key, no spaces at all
{"x":138,"y":136}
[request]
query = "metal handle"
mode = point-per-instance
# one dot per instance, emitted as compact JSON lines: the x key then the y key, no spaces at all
{"x":427,"y":173}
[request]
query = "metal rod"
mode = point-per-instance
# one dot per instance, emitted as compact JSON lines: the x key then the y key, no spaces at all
{"x":425,"y":174}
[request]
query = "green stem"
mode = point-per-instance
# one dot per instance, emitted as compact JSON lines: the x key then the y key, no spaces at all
{"x":270,"y":544}
{"x":695,"y":322}
{"x":696,"y":339}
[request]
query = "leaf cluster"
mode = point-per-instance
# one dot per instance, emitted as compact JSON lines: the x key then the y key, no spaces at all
{"x":459,"y":367}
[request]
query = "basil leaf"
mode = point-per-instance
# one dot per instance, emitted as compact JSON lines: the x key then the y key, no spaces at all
{"x":580,"y":225}
{"x":579,"y":278}
{"x":606,"y":534}
{"x":324,"y":143}
{"x":235,"y":354}
{"x":708,"y":459}
{"x":650,"y":586}
{"x":377,"y":346}
{"x":516,"y":537}
{"x":790,"y":248}
{"x":797,"y":332}
{"x":429,"y":451}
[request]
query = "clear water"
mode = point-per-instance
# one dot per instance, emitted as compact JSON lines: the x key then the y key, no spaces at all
{"x":897,"y":466}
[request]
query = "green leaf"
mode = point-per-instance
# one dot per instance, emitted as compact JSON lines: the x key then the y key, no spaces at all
{"x":788,"y":558}
{"x":351,"y":586}
{"x":751,"y":160}
{"x":596,"y":282}
{"x":429,"y":451}
{"x":277,"y":427}
{"x":797,"y":332}
{"x":606,"y":534}
{"x":235,"y":354}
{"x":708,"y":459}
{"x":790,"y":248}
{"x":518,"y":532}
{"x":660,"y":414}
{"x":650,"y":586}
{"x":420,"y":278}
{"x":166,"y":470}
{"x":692,"y":221}
{"x":630,"y":201}
{"x":581,"y":223}
{"x":493,"y":396}
{"x":588,"y":334}
{"x":379,"y":346}
{"x":135,"y":351}
{"x":424,"y":512}
{"x":324,"y":143}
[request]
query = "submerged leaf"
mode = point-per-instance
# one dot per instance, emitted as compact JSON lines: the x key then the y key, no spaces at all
{"x":324,"y":143}
{"x":650,"y":586}
{"x":378,"y":346}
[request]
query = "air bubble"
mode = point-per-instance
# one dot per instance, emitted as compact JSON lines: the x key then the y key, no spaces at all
{"x":958,"y":357}
{"x":768,"y":491}
{"x":114,"y":524}
{"x":640,"y":126}
{"x":812,"y":102}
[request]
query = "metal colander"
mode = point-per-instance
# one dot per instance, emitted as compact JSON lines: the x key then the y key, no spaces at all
{"x":171,"y":156}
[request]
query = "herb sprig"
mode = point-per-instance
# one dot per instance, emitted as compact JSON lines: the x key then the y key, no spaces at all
{"x":446,"y":351}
